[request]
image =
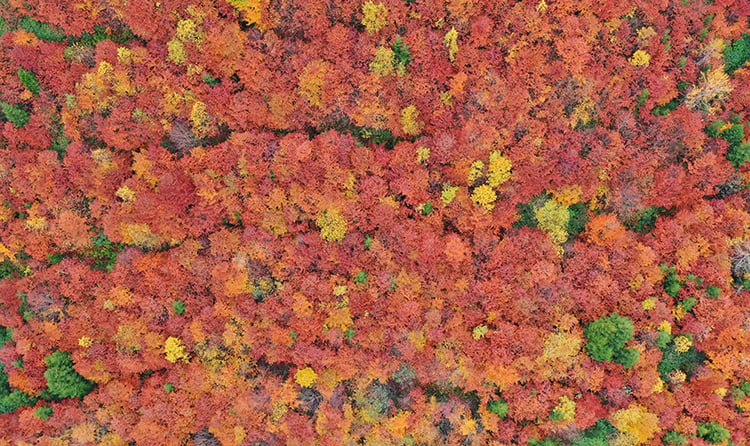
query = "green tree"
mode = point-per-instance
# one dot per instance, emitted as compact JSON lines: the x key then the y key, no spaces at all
{"x":178,"y":306}
{"x":14,"y":400}
{"x":43,"y":413}
{"x":18,"y":116}
{"x":62,"y":379}
{"x":607,"y":336}
{"x":713,"y":432}
{"x":28,"y":79}
{"x":499,"y":407}
{"x":737,"y":54}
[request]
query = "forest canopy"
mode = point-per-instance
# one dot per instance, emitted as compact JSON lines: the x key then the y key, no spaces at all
{"x":407,"y":222}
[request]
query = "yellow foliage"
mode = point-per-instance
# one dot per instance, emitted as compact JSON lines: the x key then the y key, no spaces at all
{"x":399,"y":424}
{"x":85,"y":341}
{"x":311,"y":81}
{"x":250,"y":9}
{"x":649,"y":304}
{"x":125,"y":193}
{"x":174,"y":350}
{"x":658,"y":387}
{"x":640,"y":58}
{"x":541,"y":6}
{"x":561,"y":346}
{"x":448,"y":194}
{"x":475,"y":171}
{"x":112,"y":439}
{"x":409,"y":123}
{"x":332,"y":225}
{"x":176,"y":52}
{"x":36,"y":223}
{"x":682,"y":344}
{"x":450,"y":40}
{"x":498,"y":170}
{"x":417,"y":338}
{"x":375,"y":16}
{"x":306,"y":377}
{"x":582,"y":113}
{"x":188,"y":31}
{"x":103,"y":158}
{"x":566,"y":409}
{"x":568,"y":195}
{"x":677,"y":376}
{"x":484,"y":196}
{"x":665,"y":326}
{"x":124,"y":55}
{"x":636,"y":422}
{"x":553,"y":219}
{"x":423,"y":153}
{"x":446,"y":98}
{"x":645,"y":33}
{"x":5,"y":253}
{"x":715,"y":87}
{"x":139,"y":234}
{"x":467,"y":426}
{"x":382,"y":64}
{"x":479,"y":331}
{"x":199,"y":118}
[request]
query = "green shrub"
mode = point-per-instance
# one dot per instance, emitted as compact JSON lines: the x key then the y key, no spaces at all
{"x":734,"y":135}
{"x":401,"y":52}
{"x":28,"y":79}
{"x":645,"y":220}
{"x":608,"y":335}
{"x":178,"y":306}
{"x":713,"y":129}
{"x":210,"y":80}
{"x":527,"y":211}
{"x":6,"y":334}
{"x":62,"y":379}
{"x":42,"y":30}
{"x":43,"y":412}
{"x":578,"y":218}
{"x":599,"y":434}
{"x":627,"y":357}
{"x":736,"y":54}
{"x":674,"y":438}
{"x":713,"y":291}
{"x":545,"y":442}
{"x":361,"y":277}
{"x":713,"y":432}
{"x":499,"y":407}
{"x":672,"y":360}
{"x":662,"y":340}
{"x":16,"y":115}
{"x":739,"y":155}
{"x":672,"y":284}
{"x":102,"y":253}
{"x":13,"y":400}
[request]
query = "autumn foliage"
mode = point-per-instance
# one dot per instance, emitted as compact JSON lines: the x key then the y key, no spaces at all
{"x":409,"y":222}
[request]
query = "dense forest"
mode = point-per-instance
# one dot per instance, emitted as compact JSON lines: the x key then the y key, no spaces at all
{"x":379,"y":222}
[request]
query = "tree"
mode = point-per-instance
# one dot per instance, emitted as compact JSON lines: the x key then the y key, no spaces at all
{"x":16,"y":115}
{"x":713,"y":432}
{"x":62,"y":379}
{"x":606,"y":338}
